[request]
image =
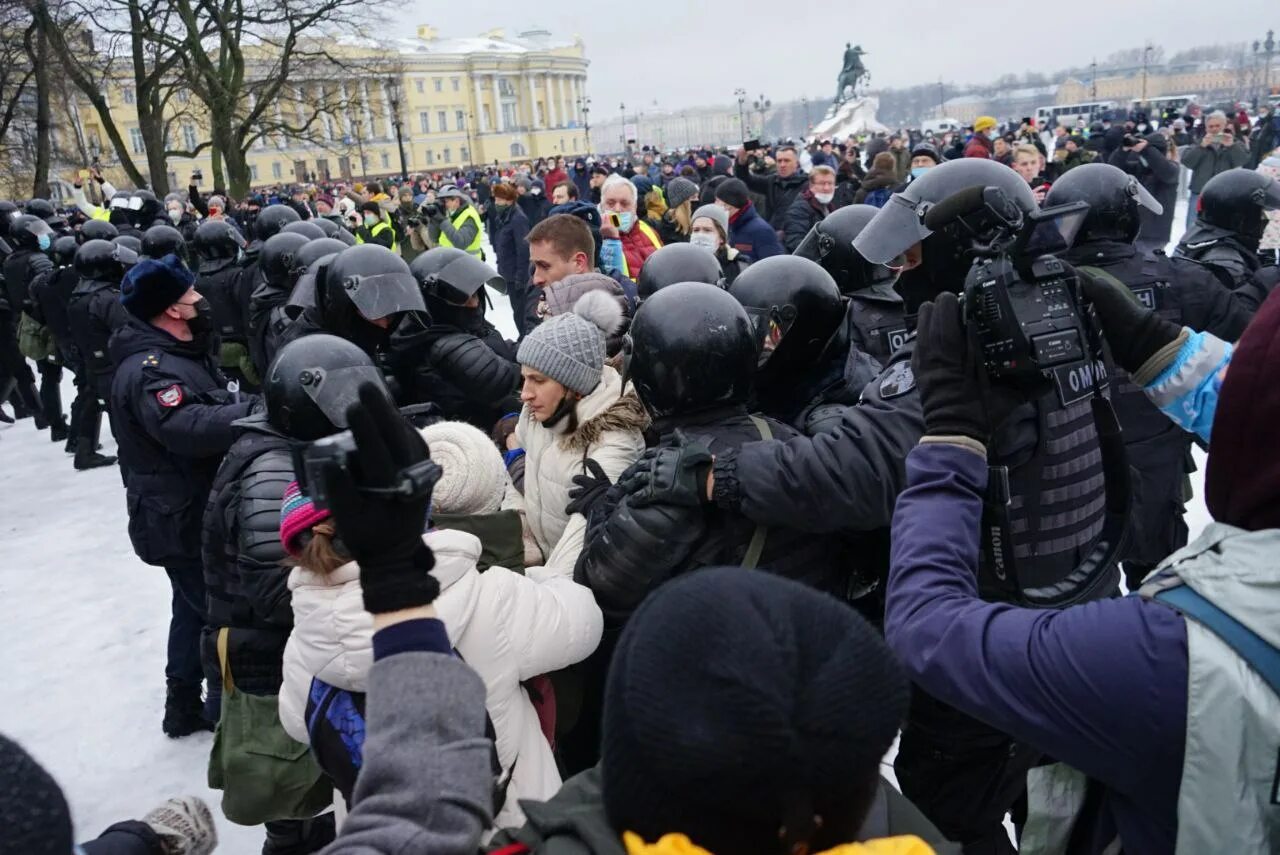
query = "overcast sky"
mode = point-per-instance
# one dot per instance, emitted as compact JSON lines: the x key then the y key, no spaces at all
{"x":681,"y":53}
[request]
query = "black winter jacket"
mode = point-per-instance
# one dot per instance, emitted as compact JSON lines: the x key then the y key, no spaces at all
{"x":1159,"y":176}
{"x":804,"y":213}
{"x":244,"y":572}
{"x":94,"y":313}
{"x":50,"y":296}
{"x":508,"y":229}
{"x":778,"y":192}
{"x":20,"y":268}
{"x":1221,"y":249}
{"x":171,"y":415}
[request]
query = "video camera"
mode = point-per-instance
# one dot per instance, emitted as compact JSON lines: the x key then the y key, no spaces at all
{"x":1023,"y":303}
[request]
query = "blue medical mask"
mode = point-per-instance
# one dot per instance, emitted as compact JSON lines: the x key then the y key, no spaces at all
{"x":45,"y":241}
{"x":917,"y":171}
{"x":626,"y":220}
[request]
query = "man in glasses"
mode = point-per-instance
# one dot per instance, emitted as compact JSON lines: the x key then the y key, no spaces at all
{"x":172,"y":415}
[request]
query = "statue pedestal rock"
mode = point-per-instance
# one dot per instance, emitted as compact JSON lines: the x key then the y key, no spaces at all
{"x":850,"y":113}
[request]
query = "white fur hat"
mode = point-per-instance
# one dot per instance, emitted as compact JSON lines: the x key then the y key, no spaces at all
{"x":474,"y":479}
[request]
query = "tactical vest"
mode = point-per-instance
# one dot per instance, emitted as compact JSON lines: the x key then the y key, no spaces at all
{"x":1227,"y":798}
{"x":1220,"y":250}
{"x":222,"y":289}
{"x":468,"y":213}
{"x":878,"y":328}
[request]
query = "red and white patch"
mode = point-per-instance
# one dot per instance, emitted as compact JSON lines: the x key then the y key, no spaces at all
{"x":170,"y":397}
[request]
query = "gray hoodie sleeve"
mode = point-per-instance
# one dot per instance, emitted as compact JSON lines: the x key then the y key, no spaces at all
{"x":426,"y":784}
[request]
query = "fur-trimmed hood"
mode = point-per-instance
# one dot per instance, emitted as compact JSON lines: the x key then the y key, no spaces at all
{"x":626,"y":413}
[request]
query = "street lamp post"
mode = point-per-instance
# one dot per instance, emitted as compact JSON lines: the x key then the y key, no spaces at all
{"x":762,"y":106}
{"x":393,"y":92}
{"x":688,"y":137}
{"x":942,"y":100}
{"x":471,"y":152}
{"x":742,"y":122}
{"x":622,"y":127}
{"x":1146,"y":59}
{"x":804,"y":99}
{"x":1269,"y":46}
{"x":584,"y":106}
{"x":1093,"y":78}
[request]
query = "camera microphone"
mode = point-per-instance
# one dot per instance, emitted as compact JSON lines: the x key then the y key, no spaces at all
{"x":955,"y":206}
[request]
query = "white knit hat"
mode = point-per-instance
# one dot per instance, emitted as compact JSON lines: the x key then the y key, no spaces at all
{"x":474,"y":479}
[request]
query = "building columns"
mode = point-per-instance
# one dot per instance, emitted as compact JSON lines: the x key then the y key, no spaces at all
{"x":533,"y":101}
{"x":482,"y":124}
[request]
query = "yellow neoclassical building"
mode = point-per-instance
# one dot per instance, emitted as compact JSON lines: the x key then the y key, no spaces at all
{"x":461,"y":101}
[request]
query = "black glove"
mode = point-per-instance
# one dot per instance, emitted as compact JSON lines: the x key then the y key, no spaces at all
{"x":380,"y":504}
{"x":588,"y":490}
{"x":947,"y":371}
{"x":1134,"y":333}
{"x":674,"y":475}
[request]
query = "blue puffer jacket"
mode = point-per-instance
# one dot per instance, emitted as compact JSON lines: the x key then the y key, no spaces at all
{"x":752,"y":236}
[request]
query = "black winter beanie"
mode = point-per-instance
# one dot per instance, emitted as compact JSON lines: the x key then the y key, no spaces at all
{"x":34,"y":818}
{"x":733,"y":191}
{"x":739,"y":703}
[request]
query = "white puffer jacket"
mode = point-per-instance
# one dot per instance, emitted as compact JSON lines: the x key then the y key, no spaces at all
{"x":610,"y":426}
{"x":506,"y":626}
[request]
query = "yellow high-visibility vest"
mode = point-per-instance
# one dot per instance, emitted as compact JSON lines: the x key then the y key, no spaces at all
{"x":468,"y":213}
{"x":382,"y":226}
{"x":647,"y":231}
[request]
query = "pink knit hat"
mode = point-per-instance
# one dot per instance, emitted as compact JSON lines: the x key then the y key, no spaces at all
{"x":297,"y":516}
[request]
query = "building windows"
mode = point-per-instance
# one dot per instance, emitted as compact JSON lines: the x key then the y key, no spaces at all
{"x":517,"y":150}
{"x":275,"y":170}
{"x":421,"y":85}
{"x":424,"y":122}
{"x":189,"y":137}
{"x":542,"y":114}
{"x":439,"y":82}
{"x":488,"y":117}
{"x":126,"y":92}
{"x":455,"y":83}
{"x":508,"y":115}
{"x":253,"y":172}
{"x":575,"y":144}
{"x":386,"y":160}
{"x":447,"y":156}
{"x":465,"y":154}
{"x":136,"y":142}
{"x":441,"y":121}
{"x":431,"y":157}
{"x":460,"y":118}
{"x":183,"y":96}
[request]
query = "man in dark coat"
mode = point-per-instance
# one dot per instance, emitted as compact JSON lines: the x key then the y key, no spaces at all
{"x":172,"y":416}
{"x":810,"y":207}
{"x":778,"y":189}
{"x":748,"y":231}
{"x":1146,"y":160}
{"x":508,"y":230}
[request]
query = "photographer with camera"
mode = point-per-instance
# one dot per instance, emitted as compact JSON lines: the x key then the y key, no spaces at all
{"x":1146,"y":159}
{"x":1182,"y":292}
{"x":963,"y":774}
{"x":1217,"y":152}
{"x":1156,"y":698}
{"x":458,"y":221}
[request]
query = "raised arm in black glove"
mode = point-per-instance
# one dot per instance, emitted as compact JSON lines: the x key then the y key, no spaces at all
{"x":1136,"y":335}
{"x":380,"y":505}
{"x":948,"y":372}
{"x":675,"y":474}
{"x":588,"y":489}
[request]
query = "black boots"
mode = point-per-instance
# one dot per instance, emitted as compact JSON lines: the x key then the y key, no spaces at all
{"x":299,"y":836}
{"x":183,"y":711}
{"x":87,"y":458}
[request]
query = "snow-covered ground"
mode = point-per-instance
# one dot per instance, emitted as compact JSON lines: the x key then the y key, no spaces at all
{"x":83,"y":626}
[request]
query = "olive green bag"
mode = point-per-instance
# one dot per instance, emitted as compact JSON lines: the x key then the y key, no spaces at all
{"x":263,"y":773}
{"x":34,"y":339}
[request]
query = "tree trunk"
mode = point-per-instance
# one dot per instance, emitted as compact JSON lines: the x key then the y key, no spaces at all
{"x":44,"y":123}
{"x":219,"y":183}
{"x":239,"y":176}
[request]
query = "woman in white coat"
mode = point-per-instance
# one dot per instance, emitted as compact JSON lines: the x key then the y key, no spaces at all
{"x":574,"y":410}
{"x":509,"y":628}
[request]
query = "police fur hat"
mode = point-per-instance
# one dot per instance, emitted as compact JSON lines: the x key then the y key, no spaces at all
{"x":153,"y":285}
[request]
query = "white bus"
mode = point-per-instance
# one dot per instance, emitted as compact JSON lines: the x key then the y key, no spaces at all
{"x":1157,"y":106}
{"x":1069,"y":114}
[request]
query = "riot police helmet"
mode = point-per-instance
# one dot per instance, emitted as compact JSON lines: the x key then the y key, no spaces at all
{"x":691,"y":347}
{"x":677,"y":262}
{"x":373,"y":280}
{"x":830,"y":244}
{"x":276,"y":257}
{"x":329,"y":227}
{"x":311,"y":383}
{"x":64,"y":250}
{"x":795,"y":308}
{"x":104,"y":260}
{"x":1116,"y":201}
{"x":145,"y":208}
{"x":1236,"y":199}
{"x":41,"y":208}
{"x":453,"y":276}
{"x":216,"y":240}
{"x":159,"y":241}
{"x":130,"y":242}
{"x":98,"y":230}
{"x":26,"y":231}
{"x":306,"y":228}
{"x":305,"y":267}
{"x":272,"y":219}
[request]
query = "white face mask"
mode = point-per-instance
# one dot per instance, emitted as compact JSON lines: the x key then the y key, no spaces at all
{"x":707,"y":241}
{"x":992,"y":134}
{"x":175,"y":215}
{"x":824,"y":198}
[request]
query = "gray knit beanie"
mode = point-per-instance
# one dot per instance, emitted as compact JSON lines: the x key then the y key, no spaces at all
{"x":679,"y":191}
{"x":717,"y":215}
{"x":570,"y":348}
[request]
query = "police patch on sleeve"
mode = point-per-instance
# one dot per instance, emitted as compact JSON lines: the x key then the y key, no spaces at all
{"x":898,"y":380}
{"x":171,"y":397}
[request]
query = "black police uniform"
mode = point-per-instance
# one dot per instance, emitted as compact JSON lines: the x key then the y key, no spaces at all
{"x":876,"y":321}
{"x":21,"y":269}
{"x":1221,"y":249}
{"x":50,"y":298}
{"x":94,"y":313}
{"x":172,"y":416}
{"x":225,"y":285}
{"x":1186,"y":294}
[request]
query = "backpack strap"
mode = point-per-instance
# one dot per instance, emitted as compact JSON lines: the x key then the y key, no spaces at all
{"x":756,"y":547}
{"x":1248,"y":645}
{"x":224,"y":662}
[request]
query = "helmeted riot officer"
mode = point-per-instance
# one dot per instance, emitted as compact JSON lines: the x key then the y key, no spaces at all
{"x":94,"y":313}
{"x":875,"y":308}
{"x":452,"y":356}
{"x":267,"y":223}
{"x":1180,"y":291}
{"x":218,"y":245}
{"x":361,"y":295}
{"x":309,"y":229}
{"x":678,"y":262}
{"x":307,"y":263}
{"x":20,"y":336}
{"x":172,"y":414}
{"x":270,"y":290}
{"x":1225,"y":236}
{"x":129,"y":241}
{"x":162,"y":240}
{"x":307,"y":389}
{"x":849,"y":479}
{"x":97,"y":230}
{"x":333,"y":230}
{"x":809,"y":367}
{"x":50,"y":305}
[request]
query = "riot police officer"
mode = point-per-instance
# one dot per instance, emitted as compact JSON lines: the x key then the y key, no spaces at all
{"x":266,"y":224}
{"x":306,"y":393}
{"x":309,"y":229}
{"x":961,"y":773}
{"x":677,"y":262}
{"x":452,"y":356}
{"x":172,"y":415}
{"x":809,"y":367}
{"x":94,"y":312}
{"x":1180,"y":291}
{"x":876,"y":324}
{"x":159,"y":241}
{"x":220,"y":278}
{"x":1225,"y":236}
{"x":31,"y":238}
{"x":272,"y":270}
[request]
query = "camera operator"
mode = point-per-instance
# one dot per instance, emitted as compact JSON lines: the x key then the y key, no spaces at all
{"x":963,"y":774}
{"x":1151,"y":697}
{"x":1217,"y":152}
{"x":1145,"y":158}
{"x":458,"y":222}
{"x":1180,"y":291}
